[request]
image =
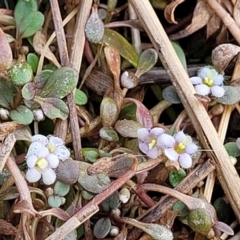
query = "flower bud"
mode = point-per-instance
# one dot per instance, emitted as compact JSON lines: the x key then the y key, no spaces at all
{"x":38,"y":115}
{"x":4,"y":114}
{"x":114,"y":231}
{"x":124,"y":195}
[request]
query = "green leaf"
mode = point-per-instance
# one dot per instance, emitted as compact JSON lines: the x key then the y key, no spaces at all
{"x":170,"y":94}
{"x":181,"y":206}
{"x":29,"y":91}
{"x":127,"y":128}
{"x":180,"y":53}
{"x":146,"y":61}
{"x":20,"y":73}
{"x":42,"y":78}
{"x":61,"y":189}
{"x":22,"y":9}
{"x":53,"y":107}
{"x":22,"y":115}
{"x":60,"y":84}
{"x":7,"y":93}
{"x":176,"y":177}
{"x":232,"y":149}
{"x":222,"y":209}
{"x":30,"y":24}
{"x":108,"y":134}
{"x":111,"y":203}
{"x":54,"y":201}
{"x":90,"y":154}
{"x":231,"y":95}
{"x":80,"y":97}
{"x":126,"y":50}
{"x":102,"y":228}
{"x":33,"y":60}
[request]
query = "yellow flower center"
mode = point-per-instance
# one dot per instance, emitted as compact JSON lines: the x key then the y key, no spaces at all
{"x":152,"y":143}
{"x":51,"y":147}
{"x":41,"y":163}
{"x":180,"y":147}
{"x":208,"y":81}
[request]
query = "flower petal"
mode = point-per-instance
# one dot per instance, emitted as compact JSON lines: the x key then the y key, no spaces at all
{"x":217,"y":91}
{"x":204,"y":72}
{"x":56,"y":140}
{"x":32,"y":175}
{"x":156,"y":131}
{"x":202,"y":89}
{"x":143,"y":134}
{"x":218,"y":80}
{"x":185,"y":160}
{"x":153,"y":153}
{"x":53,"y":160}
{"x":171,"y":154}
{"x":43,"y":152}
{"x":34,"y":148}
{"x":40,"y":138}
{"x":196,"y":80}
{"x":143,"y":147}
{"x":165,"y":141}
{"x":180,"y":136}
{"x":191,"y":148}
{"x":62,"y":153}
{"x":48,"y":176}
{"x":31,"y":161}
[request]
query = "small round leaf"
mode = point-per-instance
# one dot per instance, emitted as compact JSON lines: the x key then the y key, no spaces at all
{"x":170,"y":95}
{"x":61,"y":189}
{"x":102,"y":228}
{"x":54,"y":201}
{"x":176,"y":177}
{"x":80,"y":97}
{"x":108,"y":134}
{"x":22,"y":115}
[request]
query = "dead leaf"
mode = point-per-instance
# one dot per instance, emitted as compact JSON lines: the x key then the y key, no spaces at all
{"x":213,"y":25}
{"x":169,"y":11}
{"x":201,"y":16}
{"x":5,"y":52}
{"x":223,"y":54}
{"x":39,"y":42}
{"x":7,"y":228}
{"x":7,"y":127}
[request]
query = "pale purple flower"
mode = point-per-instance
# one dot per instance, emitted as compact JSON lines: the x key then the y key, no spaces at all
{"x":208,"y":82}
{"x":41,"y":164}
{"x":179,"y":147}
{"x":148,"y":141}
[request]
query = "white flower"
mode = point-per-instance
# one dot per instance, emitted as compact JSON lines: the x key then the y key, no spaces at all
{"x":179,"y":147}
{"x":208,"y":82}
{"x":41,"y":164}
{"x":148,"y":141}
{"x":43,"y":157}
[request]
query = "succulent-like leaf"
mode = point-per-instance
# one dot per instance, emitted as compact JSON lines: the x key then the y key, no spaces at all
{"x":125,"y":49}
{"x":180,"y":54}
{"x":61,"y":189}
{"x":232,"y":149}
{"x":33,"y":60}
{"x":108,"y":134}
{"x":54,"y":201}
{"x":146,"y":61}
{"x":127,"y":128}
{"x":53,"y":107}
{"x":20,"y":73}
{"x":60,"y":83}
{"x":231,"y":95}
{"x":170,"y":94}
{"x":176,"y":177}
{"x":8,"y":91}
{"x":108,"y":111}
{"x":80,"y":97}
{"x":22,"y":115}
{"x":102,"y":228}
{"x":111,"y":203}
{"x":29,"y":91}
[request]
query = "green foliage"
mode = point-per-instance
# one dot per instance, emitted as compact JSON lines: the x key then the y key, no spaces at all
{"x":33,"y":60}
{"x":125,"y":49}
{"x":232,"y":149}
{"x":22,"y":115}
{"x":176,"y":177}
{"x":170,"y":94}
{"x":231,"y":95}
{"x":28,"y":19}
{"x":7,"y":93}
{"x":80,"y":97}
{"x":102,"y":227}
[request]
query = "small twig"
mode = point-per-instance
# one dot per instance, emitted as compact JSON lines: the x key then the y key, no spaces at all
{"x":226,"y":18}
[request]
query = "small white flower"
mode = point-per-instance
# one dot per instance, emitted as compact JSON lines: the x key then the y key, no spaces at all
{"x":148,"y":141}
{"x":208,"y":81}
{"x":179,"y":148}
{"x":40,"y":165}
